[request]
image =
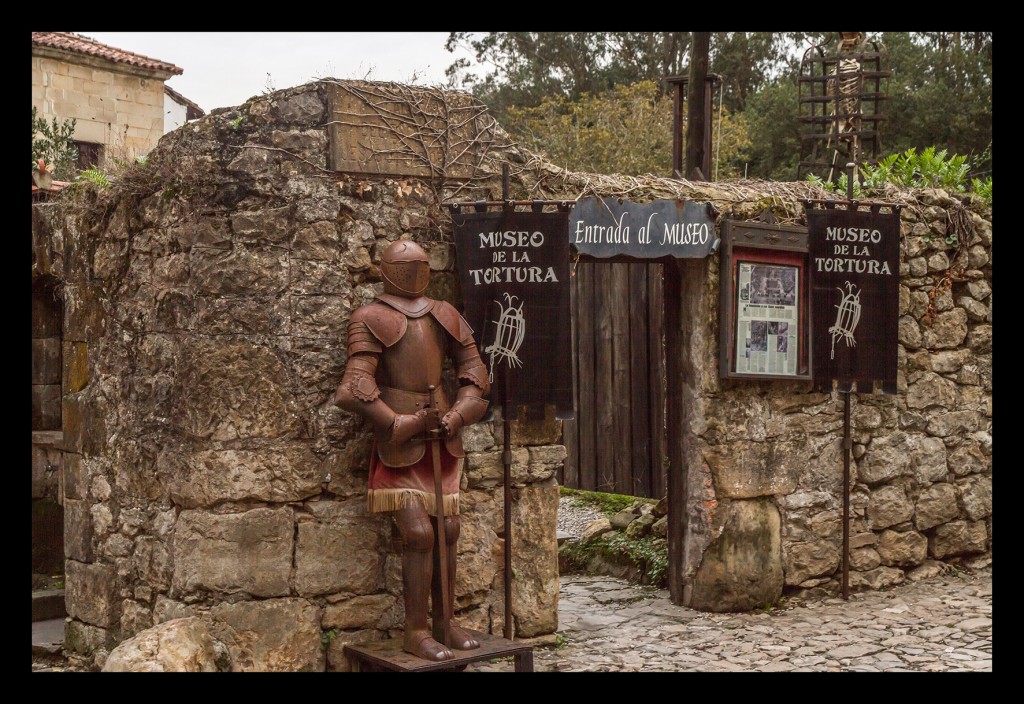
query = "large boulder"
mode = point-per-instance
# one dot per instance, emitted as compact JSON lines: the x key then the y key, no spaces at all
{"x":742,"y":568}
{"x":180,"y":645}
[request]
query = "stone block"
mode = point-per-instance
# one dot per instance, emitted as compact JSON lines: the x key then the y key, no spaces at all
{"x":535,"y":559}
{"x":902,"y":549}
{"x":340,"y":551}
{"x":807,"y":559}
{"x":279,"y":472}
{"x":247,"y":552}
{"x":958,"y":538}
{"x":358,"y":612}
{"x":90,"y":593}
{"x":274,"y":635}
{"x":233,"y":390}
{"x":75,"y":363}
{"x":77,"y":531}
{"x":743,"y":469}
{"x":936,"y":505}
{"x":742,"y":568}
{"x":179,"y":645}
{"x":888,"y":506}
{"x":976,"y":496}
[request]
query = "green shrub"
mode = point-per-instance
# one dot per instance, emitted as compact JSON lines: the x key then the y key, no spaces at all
{"x":927,"y":169}
{"x":54,"y":142}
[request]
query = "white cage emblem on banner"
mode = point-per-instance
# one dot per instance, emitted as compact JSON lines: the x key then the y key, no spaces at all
{"x":847,"y":317}
{"x":510,"y":331}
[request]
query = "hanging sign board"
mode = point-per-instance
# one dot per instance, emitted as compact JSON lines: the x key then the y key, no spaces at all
{"x":514,"y":275}
{"x":609,"y":227}
{"x":854,"y":275}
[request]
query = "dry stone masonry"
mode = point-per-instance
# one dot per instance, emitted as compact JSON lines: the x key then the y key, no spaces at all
{"x":212,"y":488}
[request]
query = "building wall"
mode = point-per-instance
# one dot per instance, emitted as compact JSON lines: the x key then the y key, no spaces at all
{"x":174,"y":114}
{"x":120,"y":110}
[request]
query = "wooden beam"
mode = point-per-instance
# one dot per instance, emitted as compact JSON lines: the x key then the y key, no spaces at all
{"x":696,"y":100}
{"x":674,"y":423}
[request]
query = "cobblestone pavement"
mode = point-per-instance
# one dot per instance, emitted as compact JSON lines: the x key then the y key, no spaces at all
{"x":941,"y":623}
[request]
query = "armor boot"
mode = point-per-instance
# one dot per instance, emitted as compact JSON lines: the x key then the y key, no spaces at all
{"x":460,"y":639}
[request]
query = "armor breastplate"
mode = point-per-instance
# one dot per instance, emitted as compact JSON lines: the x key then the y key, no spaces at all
{"x":406,"y":371}
{"x":414,"y":362}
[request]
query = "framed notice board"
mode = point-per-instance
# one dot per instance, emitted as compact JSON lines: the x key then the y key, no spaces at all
{"x":764,"y":309}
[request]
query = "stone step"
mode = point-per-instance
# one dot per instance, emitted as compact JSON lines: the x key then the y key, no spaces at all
{"x":48,"y":604}
{"x":48,"y":636}
{"x":561,"y":536}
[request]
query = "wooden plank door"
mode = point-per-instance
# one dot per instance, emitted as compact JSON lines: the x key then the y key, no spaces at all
{"x":616,"y":443}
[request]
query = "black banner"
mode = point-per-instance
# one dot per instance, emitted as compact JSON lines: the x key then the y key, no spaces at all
{"x":854,"y":277}
{"x":514,"y":275}
{"x":608,"y":227}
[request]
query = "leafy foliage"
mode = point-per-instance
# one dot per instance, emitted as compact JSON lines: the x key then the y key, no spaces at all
{"x":97,"y":177}
{"x":608,"y":504}
{"x":927,"y":169}
{"x":940,"y":92}
{"x":528,"y":67}
{"x":54,"y":142}
{"x":983,"y":188}
{"x":627,"y":129}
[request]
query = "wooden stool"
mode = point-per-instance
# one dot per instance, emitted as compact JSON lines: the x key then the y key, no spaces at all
{"x":387,"y":655}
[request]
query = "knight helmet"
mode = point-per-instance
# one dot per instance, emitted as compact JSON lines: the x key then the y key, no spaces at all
{"x":405,"y":268}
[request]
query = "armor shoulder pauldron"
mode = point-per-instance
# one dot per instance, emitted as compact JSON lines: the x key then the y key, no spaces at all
{"x":387,"y":324}
{"x":449,"y":318}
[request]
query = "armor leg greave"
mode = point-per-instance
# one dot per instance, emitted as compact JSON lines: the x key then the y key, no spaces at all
{"x":417,"y":572}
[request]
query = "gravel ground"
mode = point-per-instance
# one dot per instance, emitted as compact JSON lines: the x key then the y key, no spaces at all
{"x":573,"y":519}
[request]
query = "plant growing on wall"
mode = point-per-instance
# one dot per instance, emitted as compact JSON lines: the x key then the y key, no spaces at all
{"x":927,"y":169}
{"x":54,"y":143}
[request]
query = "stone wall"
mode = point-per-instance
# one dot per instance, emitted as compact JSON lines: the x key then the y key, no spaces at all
{"x":921,"y":485}
{"x":207,"y":472}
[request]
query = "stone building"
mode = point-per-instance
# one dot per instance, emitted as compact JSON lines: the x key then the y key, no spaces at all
{"x":208,"y":476}
{"x":116,"y":96}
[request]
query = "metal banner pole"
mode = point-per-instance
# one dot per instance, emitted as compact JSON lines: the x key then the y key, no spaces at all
{"x":847,"y":442}
{"x":506,"y":457}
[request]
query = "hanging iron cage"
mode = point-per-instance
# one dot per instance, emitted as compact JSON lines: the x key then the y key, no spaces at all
{"x":841,"y":89}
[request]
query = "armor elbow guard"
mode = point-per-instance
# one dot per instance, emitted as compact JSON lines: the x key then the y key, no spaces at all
{"x":358,"y":384}
{"x":470,"y":368}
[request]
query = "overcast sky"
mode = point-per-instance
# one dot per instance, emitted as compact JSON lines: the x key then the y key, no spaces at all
{"x":224,"y":69}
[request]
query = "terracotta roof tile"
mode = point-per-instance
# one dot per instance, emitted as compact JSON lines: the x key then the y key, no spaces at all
{"x":69,"y":41}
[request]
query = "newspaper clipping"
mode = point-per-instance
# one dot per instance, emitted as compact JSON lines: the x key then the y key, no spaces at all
{"x":767,"y":319}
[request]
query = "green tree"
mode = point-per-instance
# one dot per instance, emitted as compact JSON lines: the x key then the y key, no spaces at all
{"x":527,"y":67}
{"x":773,"y":130}
{"x":627,"y":129}
{"x":54,"y":142}
{"x":941,"y":94}
{"x":749,"y":61}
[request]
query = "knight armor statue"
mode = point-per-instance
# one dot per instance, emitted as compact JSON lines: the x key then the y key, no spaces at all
{"x":397,"y":346}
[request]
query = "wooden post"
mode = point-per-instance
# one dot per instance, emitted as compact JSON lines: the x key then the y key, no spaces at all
{"x":674,"y":419}
{"x":696,"y":126}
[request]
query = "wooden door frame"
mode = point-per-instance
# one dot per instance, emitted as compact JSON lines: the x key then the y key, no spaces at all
{"x":680,"y":278}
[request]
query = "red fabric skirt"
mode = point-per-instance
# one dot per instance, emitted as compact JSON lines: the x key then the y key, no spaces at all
{"x":393,"y":488}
